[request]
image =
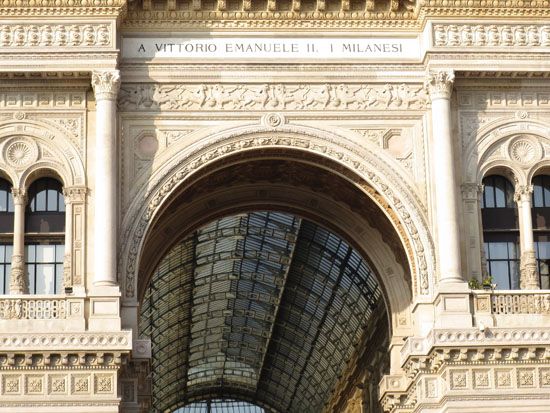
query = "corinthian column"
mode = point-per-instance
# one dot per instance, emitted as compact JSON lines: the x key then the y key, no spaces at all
{"x":440,"y":86}
{"x":528,"y":276}
{"x":106,"y":85}
{"x":18,"y":280}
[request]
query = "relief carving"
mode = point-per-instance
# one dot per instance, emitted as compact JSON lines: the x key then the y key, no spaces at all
{"x":60,"y":35}
{"x":270,"y":96}
{"x":452,"y":35}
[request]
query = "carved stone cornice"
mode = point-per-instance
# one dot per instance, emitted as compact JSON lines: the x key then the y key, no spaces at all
{"x":60,"y":360}
{"x":82,"y":341}
{"x":62,"y":8}
{"x":439,"y":84}
{"x":523,"y":193}
{"x":491,"y":35}
{"x":105,"y":84}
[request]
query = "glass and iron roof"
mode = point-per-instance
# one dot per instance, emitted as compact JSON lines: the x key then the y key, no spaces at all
{"x":262,"y":306}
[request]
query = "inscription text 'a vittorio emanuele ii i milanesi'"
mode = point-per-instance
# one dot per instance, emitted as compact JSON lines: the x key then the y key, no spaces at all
{"x":265,"y":48}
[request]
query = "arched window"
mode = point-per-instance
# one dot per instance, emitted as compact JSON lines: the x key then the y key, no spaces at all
{"x":44,"y":236}
{"x":6,"y":235}
{"x":500,"y":231}
{"x":541,"y":227}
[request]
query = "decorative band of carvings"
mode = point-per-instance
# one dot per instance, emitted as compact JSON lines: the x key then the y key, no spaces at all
{"x":463,"y":337}
{"x":187,"y":97}
{"x":56,"y":35}
{"x":60,"y":360}
{"x":491,"y":35}
{"x":85,"y":340}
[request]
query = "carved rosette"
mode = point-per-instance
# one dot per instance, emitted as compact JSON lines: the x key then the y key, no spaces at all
{"x":20,"y":152}
{"x":524,"y":150}
{"x":106,"y":84}
{"x":439,"y":85}
{"x":529,"y":279}
{"x":18,"y":278}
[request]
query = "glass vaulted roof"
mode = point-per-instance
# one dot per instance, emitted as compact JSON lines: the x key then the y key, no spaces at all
{"x":262,"y":306}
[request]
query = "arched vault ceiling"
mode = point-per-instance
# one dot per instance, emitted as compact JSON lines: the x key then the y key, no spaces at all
{"x":304,"y":176}
{"x":264,"y":306}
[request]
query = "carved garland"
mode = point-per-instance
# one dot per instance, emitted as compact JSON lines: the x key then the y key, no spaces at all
{"x":401,"y":208}
{"x":60,"y":35}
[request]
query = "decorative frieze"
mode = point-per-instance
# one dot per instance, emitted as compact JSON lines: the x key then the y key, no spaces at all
{"x":84,"y":340}
{"x":46,"y":99}
{"x":491,"y":35}
{"x":55,"y":35}
{"x":188,"y":97}
{"x":511,"y":99}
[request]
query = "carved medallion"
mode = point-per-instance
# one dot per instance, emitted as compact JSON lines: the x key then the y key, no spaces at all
{"x":20,"y":152}
{"x":524,"y":150}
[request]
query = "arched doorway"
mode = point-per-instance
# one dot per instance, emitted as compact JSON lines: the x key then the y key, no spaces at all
{"x":241,"y":348}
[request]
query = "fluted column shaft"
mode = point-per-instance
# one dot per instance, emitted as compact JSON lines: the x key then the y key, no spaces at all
{"x":18,"y":281}
{"x":529,"y":279}
{"x":439,"y":86}
{"x":106,"y":85}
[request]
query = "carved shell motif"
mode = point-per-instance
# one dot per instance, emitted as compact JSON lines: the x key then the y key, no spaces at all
{"x":524,"y":151}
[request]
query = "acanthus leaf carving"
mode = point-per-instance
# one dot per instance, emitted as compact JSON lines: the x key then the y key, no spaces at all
{"x":106,"y":84}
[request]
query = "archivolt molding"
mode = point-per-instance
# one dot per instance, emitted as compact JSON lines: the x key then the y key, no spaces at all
{"x":28,"y":146}
{"x":521,"y":146}
{"x":393,"y":196}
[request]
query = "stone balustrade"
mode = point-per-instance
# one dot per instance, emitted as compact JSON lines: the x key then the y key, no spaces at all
{"x":512,"y":302}
{"x":39,"y":308}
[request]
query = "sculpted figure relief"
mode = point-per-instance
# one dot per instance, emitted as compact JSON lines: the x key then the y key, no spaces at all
{"x":270,"y":96}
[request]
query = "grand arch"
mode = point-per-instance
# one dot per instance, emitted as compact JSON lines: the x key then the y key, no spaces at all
{"x":288,"y":184}
{"x":357,"y":164}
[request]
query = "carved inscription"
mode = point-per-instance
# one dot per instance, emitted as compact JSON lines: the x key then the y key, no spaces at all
{"x":180,"y":97}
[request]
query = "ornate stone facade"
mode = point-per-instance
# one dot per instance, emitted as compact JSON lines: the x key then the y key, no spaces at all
{"x":387,"y":114}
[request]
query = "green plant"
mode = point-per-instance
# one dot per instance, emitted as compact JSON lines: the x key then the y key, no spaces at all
{"x":474,"y":284}
{"x":487,"y":281}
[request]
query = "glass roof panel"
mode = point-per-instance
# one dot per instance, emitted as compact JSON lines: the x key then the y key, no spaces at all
{"x":263,"y":305}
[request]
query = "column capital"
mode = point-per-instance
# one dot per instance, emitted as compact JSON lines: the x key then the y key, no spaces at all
{"x":439,"y":84}
{"x":523,"y":193}
{"x":105,"y":84}
{"x":74,"y":194}
{"x":471,"y":191}
{"x":19,"y":196}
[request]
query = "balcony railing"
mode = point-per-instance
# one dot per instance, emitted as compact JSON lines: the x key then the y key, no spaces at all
{"x":32,"y":308}
{"x":512,"y":302}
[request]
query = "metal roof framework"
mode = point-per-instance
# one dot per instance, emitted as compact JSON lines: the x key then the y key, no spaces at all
{"x":261,"y":306}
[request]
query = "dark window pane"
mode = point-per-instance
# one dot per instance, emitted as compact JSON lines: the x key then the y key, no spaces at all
{"x":44,"y":268}
{"x":489,"y":196}
{"x":46,"y":212}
